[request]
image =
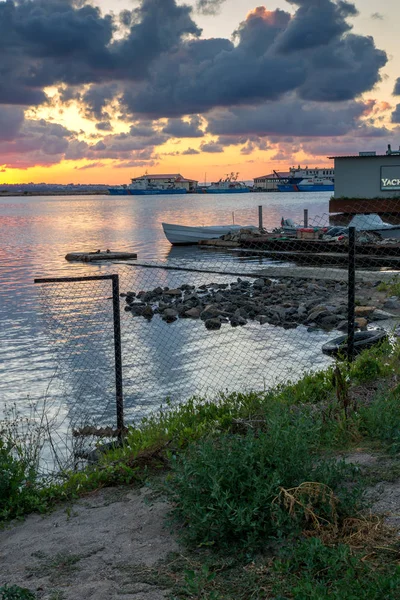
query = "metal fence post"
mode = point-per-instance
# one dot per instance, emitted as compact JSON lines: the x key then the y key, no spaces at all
{"x":260,"y":218}
{"x":118,"y":356}
{"x":306,"y":217}
{"x":352,"y":294}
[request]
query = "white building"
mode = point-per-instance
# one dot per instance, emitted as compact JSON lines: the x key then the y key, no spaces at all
{"x":174,"y":180}
{"x":269,"y":183}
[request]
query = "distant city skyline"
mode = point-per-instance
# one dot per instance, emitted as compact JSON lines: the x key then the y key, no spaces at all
{"x":103,"y":91}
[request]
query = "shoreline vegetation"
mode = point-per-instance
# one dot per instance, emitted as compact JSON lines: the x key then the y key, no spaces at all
{"x":263,"y":491}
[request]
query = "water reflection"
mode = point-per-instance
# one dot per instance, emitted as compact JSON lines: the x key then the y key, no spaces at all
{"x":159,"y":359}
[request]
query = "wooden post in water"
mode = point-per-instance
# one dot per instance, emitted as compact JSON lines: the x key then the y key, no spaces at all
{"x":305,"y":217}
{"x":260,"y":218}
{"x":352,"y":292}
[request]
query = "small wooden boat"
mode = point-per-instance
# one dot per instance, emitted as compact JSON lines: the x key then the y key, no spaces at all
{"x":182,"y":235}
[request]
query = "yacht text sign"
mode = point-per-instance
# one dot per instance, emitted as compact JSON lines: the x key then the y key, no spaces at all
{"x":390,"y":178}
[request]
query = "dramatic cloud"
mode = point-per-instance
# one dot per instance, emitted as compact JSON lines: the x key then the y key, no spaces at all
{"x":212,"y":147}
{"x":48,"y":42}
{"x":396,"y":114}
{"x":281,"y":74}
{"x":209,"y":7}
{"x":396,"y":91}
{"x":189,"y":152}
{"x":11,"y":120}
{"x":291,"y":116}
{"x":317,"y":23}
{"x":184,"y":129}
{"x":275,"y":54}
{"x":34,"y":143}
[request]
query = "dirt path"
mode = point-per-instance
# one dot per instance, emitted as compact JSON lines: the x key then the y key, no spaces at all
{"x":93,"y":549}
{"x":384,"y":496}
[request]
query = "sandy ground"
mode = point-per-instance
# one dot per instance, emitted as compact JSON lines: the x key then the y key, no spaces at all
{"x":384,"y":497}
{"x":93,"y":549}
{"x":103,"y":546}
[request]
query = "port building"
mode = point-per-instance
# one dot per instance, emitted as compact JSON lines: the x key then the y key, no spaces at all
{"x":163,"y":181}
{"x":367,"y":182}
{"x":269,"y":183}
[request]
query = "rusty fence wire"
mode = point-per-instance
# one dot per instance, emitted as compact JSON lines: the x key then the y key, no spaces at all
{"x":249,"y":312}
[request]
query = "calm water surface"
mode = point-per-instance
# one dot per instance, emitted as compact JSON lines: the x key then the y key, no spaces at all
{"x":57,"y":341}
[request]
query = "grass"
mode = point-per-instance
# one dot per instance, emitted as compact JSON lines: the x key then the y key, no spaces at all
{"x":264,"y":505}
{"x":392,"y":287}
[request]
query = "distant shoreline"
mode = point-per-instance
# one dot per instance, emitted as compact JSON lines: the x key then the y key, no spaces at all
{"x":53,"y":193}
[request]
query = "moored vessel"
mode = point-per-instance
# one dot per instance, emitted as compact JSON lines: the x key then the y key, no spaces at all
{"x":307,"y":180}
{"x":155,"y":185}
{"x":184,"y":235}
{"x":229,"y":185}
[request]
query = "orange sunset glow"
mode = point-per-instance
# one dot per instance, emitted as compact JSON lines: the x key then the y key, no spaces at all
{"x":264,"y":94}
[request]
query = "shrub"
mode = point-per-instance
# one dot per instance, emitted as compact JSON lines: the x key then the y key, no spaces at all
{"x":18,"y":491}
{"x":235,"y":490}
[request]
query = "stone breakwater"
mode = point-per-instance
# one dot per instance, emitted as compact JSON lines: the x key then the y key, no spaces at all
{"x":287,"y":304}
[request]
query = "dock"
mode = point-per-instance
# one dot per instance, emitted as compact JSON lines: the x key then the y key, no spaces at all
{"x":99,"y":255}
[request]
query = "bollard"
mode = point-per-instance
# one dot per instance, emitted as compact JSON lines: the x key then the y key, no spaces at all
{"x":260,"y":218}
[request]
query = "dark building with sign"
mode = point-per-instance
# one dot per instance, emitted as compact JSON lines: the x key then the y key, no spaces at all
{"x":368,"y":182}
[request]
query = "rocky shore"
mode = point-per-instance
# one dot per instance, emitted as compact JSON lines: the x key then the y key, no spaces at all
{"x":285,"y":303}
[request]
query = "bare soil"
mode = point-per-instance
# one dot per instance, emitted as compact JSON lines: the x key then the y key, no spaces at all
{"x":96,"y":548}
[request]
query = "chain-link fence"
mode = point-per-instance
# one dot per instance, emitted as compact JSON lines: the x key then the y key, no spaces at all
{"x":247,"y":311}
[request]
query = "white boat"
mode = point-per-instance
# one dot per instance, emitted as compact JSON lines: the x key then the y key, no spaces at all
{"x":375,"y":224}
{"x":184,"y":235}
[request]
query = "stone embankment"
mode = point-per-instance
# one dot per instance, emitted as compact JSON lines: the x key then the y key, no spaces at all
{"x":287,"y":304}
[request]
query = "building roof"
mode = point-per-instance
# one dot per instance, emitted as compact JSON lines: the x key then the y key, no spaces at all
{"x":365,"y":156}
{"x":176,"y":176}
{"x":274,"y":176}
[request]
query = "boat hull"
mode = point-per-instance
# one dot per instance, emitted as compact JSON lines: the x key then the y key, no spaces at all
{"x":295,"y":187}
{"x":129,"y":192}
{"x":181,"y":235}
{"x":226,"y":191}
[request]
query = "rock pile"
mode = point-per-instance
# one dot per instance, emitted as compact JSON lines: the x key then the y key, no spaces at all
{"x":287,"y":304}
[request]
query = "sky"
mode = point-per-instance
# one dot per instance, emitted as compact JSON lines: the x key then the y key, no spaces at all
{"x":105,"y":90}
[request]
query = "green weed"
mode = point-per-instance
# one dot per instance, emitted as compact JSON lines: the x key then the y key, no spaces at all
{"x":230,"y":490}
{"x":392,"y":287}
{"x":313,"y":571}
{"x":15,"y":592}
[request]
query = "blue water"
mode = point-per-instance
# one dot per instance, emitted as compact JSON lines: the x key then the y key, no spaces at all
{"x":56,"y":341}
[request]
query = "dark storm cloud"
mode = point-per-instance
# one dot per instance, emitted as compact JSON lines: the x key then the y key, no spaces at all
{"x":209,"y":7}
{"x":96,"y":99}
{"x":396,"y":114}
{"x":316,"y":23}
{"x":273,"y":55}
{"x":48,"y":42}
{"x":184,"y":129}
{"x":11,"y":120}
{"x":44,"y":42}
{"x":150,"y":63}
{"x":396,"y":91}
{"x":289,"y":117}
